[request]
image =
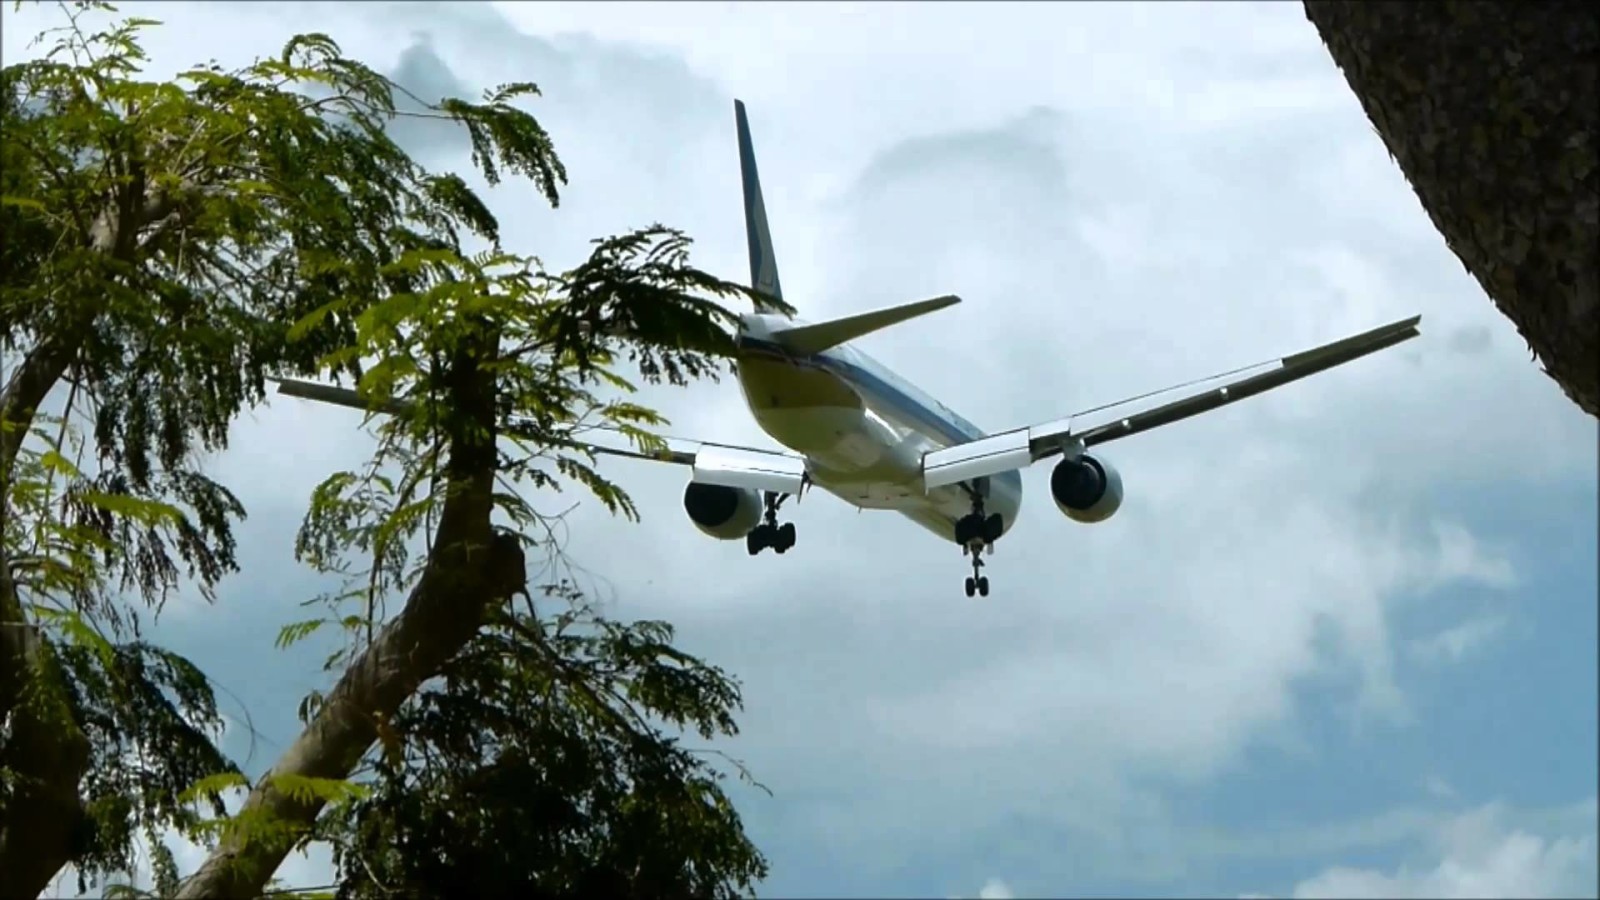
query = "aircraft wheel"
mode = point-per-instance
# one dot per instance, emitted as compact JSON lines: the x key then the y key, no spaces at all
{"x":756,"y":540}
{"x":972,"y":586}
{"x":785,"y":537}
{"x":983,"y":586}
{"x":969,"y":527}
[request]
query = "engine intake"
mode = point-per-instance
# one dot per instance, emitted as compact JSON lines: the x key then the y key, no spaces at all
{"x":1086,"y":489}
{"x":724,"y":513}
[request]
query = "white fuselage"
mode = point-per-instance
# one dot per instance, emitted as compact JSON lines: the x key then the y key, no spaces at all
{"x":862,"y":429}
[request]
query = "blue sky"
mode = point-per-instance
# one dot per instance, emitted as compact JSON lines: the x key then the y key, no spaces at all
{"x":1340,"y":641}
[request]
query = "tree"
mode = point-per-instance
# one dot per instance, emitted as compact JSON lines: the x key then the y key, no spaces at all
{"x":1489,"y":108}
{"x":169,"y":245}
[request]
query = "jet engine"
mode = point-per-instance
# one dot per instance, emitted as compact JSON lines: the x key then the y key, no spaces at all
{"x":1086,"y":489}
{"x":725,"y":513}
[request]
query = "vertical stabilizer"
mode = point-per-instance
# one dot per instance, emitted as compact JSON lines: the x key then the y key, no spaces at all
{"x":763,"y":264}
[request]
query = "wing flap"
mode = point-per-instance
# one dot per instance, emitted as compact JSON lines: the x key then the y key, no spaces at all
{"x":965,"y":462}
{"x":738,"y":467}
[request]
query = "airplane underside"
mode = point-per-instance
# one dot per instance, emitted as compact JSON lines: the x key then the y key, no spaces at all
{"x":854,"y":453}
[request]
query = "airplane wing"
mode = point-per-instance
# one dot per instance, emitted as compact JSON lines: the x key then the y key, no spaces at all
{"x":1024,"y":446}
{"x":720,"y":464}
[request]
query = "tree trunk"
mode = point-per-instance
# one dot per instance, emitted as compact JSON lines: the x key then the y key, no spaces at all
{"x":1489,"y":108}
{"x":46,"y":754}
{"x":462,"y":576}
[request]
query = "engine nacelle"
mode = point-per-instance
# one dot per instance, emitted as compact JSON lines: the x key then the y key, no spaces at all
{"x":725,"y":513}
{"x":1086,"y":489}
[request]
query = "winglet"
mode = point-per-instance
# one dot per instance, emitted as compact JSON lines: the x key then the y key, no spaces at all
{"x":808,"y":339}
{"x":1356,"y":346}
{"x":763,"y":262}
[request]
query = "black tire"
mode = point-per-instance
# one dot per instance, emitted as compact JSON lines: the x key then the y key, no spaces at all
{"x":983,"y":586}
{"x":756,"y":540}
{"x":785,"y":536}
{"x":993,"y":527}
{"x":972,"y":587}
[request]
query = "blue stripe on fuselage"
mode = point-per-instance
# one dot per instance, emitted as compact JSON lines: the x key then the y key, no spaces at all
{"x":946,"y":425}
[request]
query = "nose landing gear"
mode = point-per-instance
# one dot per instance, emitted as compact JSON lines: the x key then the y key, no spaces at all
{"x":769,"y":533}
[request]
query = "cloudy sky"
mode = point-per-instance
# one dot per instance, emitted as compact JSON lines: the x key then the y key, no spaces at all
{"x":1340,"y":640}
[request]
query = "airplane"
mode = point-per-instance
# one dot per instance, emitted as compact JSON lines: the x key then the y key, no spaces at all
{"x":876,"y":441}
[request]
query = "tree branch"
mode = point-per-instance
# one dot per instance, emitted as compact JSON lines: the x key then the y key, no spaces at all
{"x":46,"y":752}
{"x":446,"y":607}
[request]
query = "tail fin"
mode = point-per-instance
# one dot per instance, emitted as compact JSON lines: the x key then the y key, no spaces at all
{"x":763,"y":264}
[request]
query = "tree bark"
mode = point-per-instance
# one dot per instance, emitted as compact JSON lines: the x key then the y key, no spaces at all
{"x":462,"y":576}
{"x":1489,"y":108}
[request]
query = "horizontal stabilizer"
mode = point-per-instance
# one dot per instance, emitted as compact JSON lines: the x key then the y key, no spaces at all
{"x":329,"y":393}
{"x":719,"y":464}
{"x":808,"y":339}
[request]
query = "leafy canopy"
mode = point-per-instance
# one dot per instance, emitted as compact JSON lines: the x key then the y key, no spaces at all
{"x":171,"y":244}
{"x":538,"y":766}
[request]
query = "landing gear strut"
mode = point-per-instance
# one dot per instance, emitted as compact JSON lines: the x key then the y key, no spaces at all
{"x":976,"y":532}
{"x":769,"y":533}
{"x":977,"y":584}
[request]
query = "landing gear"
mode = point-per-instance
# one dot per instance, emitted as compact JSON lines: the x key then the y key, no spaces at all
{"x":769,"y":533}
{"x":976,"y":532}
{"x":779,"y":537}
{"x":977,"y":584}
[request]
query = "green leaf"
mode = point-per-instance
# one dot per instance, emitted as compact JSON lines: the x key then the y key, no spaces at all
{"x":149,"y":512}
{"x":297,"y":631}
{"x":213,"y":785}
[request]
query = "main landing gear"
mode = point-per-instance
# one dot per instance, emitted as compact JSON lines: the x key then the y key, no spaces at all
{"x":769,"y":533}
{"x":976,"y":533}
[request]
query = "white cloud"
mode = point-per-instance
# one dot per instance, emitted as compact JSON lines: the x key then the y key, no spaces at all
{"x":1460,"y":556}
{"x":1128,"y":197}
{"x":995,"y":889}
{"x":1438,"y":788}
{"x":1456,"y":642}
{"x":1476,"y":854}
